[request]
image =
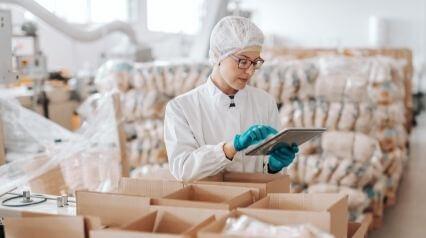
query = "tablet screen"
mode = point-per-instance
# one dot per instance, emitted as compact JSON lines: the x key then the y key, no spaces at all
{"x":288,"y":136}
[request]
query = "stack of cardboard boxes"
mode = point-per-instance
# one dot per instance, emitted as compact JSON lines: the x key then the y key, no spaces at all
{"x":166,"y":208}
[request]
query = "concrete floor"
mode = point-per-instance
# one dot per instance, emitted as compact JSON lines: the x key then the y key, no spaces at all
{"x":408,"y":217}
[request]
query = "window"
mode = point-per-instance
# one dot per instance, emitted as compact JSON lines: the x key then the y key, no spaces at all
{"x":108,"y":10}
{"x":88,"y":11}
{"x":183,"y":16}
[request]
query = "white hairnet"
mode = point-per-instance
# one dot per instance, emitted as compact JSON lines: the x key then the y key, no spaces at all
{"x":232,"y":34}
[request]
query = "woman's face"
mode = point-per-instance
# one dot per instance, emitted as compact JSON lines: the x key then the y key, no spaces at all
{"x":235,"y":77}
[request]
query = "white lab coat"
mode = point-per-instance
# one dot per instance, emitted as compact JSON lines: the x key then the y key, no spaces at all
{"x":199,"y":122}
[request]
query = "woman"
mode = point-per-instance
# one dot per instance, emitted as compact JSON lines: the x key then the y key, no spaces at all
{"x":208,"y":128}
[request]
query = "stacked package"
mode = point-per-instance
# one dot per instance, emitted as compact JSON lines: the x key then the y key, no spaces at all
{"x":360,"y":102}
{"x":145,"y":90}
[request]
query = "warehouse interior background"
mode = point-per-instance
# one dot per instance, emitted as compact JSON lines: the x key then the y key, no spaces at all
{"x":66,"y":59}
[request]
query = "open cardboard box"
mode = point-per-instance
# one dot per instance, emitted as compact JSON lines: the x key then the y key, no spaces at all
{"x":148,"y":187}
{"x":215,"y":229}
{"x":305,"y":208}
{"x":266,"y":183}
{"x":207,"y":196}
{"x":164,"y":222}
{"x":49,"y":226}
{"x":112,"y":209}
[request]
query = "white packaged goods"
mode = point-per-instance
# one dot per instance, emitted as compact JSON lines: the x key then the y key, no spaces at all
{"x":348,"y":117}
{"x":360,"y":100}
{"x":245,"y":226}
{"x":333,"y":116}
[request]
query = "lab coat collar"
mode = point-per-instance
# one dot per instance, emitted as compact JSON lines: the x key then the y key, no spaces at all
{"x":221,"y":98}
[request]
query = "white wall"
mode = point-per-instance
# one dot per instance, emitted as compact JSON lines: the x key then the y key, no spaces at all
{"x":345,"y":22}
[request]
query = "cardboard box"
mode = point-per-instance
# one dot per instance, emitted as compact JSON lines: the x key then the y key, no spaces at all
{"x":50,"y":226}
{"x":266,"y":183}
{"x":164,"y":222}
{"x":359,"y":230}
{"x":112,"y":209}
{"x":148,"y":187}
{"x":333,"y":208}
{"x":214,"y":230}
{"x":217,"y":213}
{"x":208,"y":196}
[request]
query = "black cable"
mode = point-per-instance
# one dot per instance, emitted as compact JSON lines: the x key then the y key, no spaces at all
{"x":43,"y":199}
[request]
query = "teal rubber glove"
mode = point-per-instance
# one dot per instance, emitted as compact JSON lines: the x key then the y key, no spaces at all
{"x":281,"y":156}
{"x":253,"y":135}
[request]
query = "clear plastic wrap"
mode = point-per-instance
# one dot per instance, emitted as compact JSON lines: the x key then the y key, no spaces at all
{"x":389,"y":115}
{"x":297,"y":113}
{"x":356,"y":88}
{"x":321,"y":113}
{"x":338,"y":143}
{"x":364,"y":147}
{"x":286,"y":115}
{"x":291,"y":83}
{"x":87,"y":159}
{"x":308,"y":113}
{"x":249,"y":227}
{"x":308,"y":75}
{"x":28,"y":132}
{"x":114,"y":75}
{"x":312,"y":168}
{"x":363,"y":122}
{"x":330,"y":87}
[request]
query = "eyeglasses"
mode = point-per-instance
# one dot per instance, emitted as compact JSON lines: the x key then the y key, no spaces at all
{"x":246,"y":63}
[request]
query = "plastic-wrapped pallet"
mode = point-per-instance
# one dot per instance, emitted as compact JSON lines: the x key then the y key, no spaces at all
{"x":86,"y":159}
{"x":114,"y":75}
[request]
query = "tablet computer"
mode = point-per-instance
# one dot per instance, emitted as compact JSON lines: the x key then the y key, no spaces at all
{"x":288,"y":136}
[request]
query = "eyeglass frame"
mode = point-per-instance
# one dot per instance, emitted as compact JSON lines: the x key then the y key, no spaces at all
{"x":252,"y":62}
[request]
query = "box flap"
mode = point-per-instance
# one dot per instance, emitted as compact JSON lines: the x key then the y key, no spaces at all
{"x":112,"y":209}
{"x":191,"y":211}
{"x":252,"y":177}
{"x":304,"y":201}
{"x":148,"y":187}
{"x":279,"y":185}
{"x":171,"y":223}
{"x":208,"y":196}
{"x":215,"y":178}
{"x":115,"y":233}
{"x":359,"y":230}
{"x":335,"y":204}
{"x":339,"y":217}
{"x":163,"y":222}
{"x":257,"y":189}
{"x":145,"y":223}
{"x":46,"y":226}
